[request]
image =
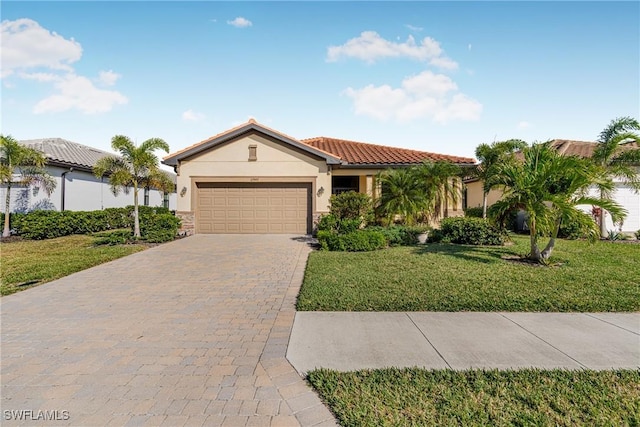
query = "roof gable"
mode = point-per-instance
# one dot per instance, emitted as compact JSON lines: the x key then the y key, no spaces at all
{"x":245,"y":129}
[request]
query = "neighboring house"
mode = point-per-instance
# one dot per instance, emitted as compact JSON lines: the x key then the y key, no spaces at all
{"x":624,"y":194}
{"x":253,"y":179}
{"x":77,"y":188}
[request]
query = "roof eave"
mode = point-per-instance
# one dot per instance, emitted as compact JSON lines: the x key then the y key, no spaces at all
{"x":347,"y":165}
{"x":64,"y":164}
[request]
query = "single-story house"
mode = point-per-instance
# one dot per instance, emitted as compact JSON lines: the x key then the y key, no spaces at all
{"x":624,"y":194}
{"x":77,"y":188}
{"x":253,"y":179}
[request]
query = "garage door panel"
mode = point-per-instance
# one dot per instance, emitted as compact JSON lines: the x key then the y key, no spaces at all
{"x":253,"y":208}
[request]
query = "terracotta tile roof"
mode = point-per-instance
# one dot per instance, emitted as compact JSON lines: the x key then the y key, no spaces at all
{"x":360,"y":153}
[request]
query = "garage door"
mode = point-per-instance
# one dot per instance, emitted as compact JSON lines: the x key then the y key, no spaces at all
{"x":253,"y":208}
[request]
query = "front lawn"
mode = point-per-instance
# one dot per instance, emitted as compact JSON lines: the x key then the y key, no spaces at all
{"x":443,"y":277}
{"x":418,"y":397}
{"x":28,"y":263}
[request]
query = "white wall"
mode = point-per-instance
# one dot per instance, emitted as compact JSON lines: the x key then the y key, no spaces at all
{"x":83,"y":192}
{"x":629,"y":200}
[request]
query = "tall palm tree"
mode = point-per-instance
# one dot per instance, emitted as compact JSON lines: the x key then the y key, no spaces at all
{"x":615,"y":153}
{"x":137,"y":167}
{"x":549,"y":186}
{"x":490,"y":156}
{"x":439,"y":181}
{"x":20,"y":165}
{"x":401,"y":194}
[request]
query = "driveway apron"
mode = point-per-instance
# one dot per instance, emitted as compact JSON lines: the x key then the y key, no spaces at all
{"x":193,"y":332}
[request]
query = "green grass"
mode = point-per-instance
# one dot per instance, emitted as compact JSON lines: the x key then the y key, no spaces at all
{"x":34,"y":262}
{"x":418,"y":397}
{"x":442,"y":277}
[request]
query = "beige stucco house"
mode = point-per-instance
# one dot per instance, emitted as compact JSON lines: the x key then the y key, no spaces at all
{"x":253,"y":179}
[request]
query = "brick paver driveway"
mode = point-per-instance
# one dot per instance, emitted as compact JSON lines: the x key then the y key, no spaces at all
{"x":193,"y":332}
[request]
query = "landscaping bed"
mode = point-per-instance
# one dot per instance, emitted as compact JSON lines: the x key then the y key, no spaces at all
{"x":27,"y":263}
{"x":419,"y":397}
{"x":445,"y":277}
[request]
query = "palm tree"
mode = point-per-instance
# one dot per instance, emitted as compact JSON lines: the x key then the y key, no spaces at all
{"x":549,"y":186}
{"x":422,"y":189}
{"x":439,"y":182}
{"x":20,"y":165}
{"x":137,"y":167}
{"x":490,"y":156}
{"x":615,"y":153}
{"x":401,"y":194}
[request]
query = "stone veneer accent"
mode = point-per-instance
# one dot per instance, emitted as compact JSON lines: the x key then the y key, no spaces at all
{"x":187,"y":222}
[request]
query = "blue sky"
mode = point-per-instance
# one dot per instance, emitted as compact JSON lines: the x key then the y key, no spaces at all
{"x":432,"y":76}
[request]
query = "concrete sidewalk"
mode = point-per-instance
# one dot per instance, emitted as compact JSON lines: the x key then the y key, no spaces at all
{"x":348,"y":341}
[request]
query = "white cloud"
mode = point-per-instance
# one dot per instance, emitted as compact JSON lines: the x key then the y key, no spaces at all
{"x":40,"y":77}
{"x":469,"y":47}
{"x":25,"y":44}
{"x":414,"y":28}
{"x":426,"y":95}
{"x":523,"y":125}
{"x":79,"y":93}
{"x":31,"y":52}
{"x":240,"y":22}
{"x":108,"y":78}
{"x":192,"y":116}
{"x":369,"y":47}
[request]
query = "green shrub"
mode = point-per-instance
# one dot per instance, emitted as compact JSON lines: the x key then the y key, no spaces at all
{"x":158,"y":227}
{"x":637,"y":233}
{"x":471,"y":231}
{"x":400,"y":235}
{"x":330,"y":241}
{"x":436,"y":236}
{"x":475,"y":212}
{"x":330,"y":222}
{"x":356,"y":241}
{"x":573,"y":230}
{"x":352,"y":205}
{"x":42,"y":224}
{"x":112,"y":238}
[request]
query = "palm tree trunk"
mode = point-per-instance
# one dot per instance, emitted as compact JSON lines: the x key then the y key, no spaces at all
{"x":546,"y":252}
{"x":603,"y":224}
{"x":533,"y":238}
{"x":136,"y":218}
{"x":484,"y":204}
{"x":6,"y":231}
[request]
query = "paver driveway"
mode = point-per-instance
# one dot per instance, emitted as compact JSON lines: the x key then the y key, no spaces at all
{"x":193,"y":332}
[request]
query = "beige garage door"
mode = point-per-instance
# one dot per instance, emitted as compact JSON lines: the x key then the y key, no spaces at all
{"x":253,"y":208}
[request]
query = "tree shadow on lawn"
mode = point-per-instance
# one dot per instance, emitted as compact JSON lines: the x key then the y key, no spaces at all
{"x":481,"y":254}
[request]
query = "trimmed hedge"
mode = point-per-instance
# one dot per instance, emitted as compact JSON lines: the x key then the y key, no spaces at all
{"x":356,"y":241}
{"x":38,"y":225}
{"x":158,"y":227}
{"x":468,"y":231}
{"x":399,"y":235}
{"x":475,"y":212}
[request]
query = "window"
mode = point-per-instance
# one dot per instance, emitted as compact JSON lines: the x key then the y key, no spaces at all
{"x":253,"y":153}
{"x":342,"y":184}
{"x":165,"y":200}
{"x":146,"y":196}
